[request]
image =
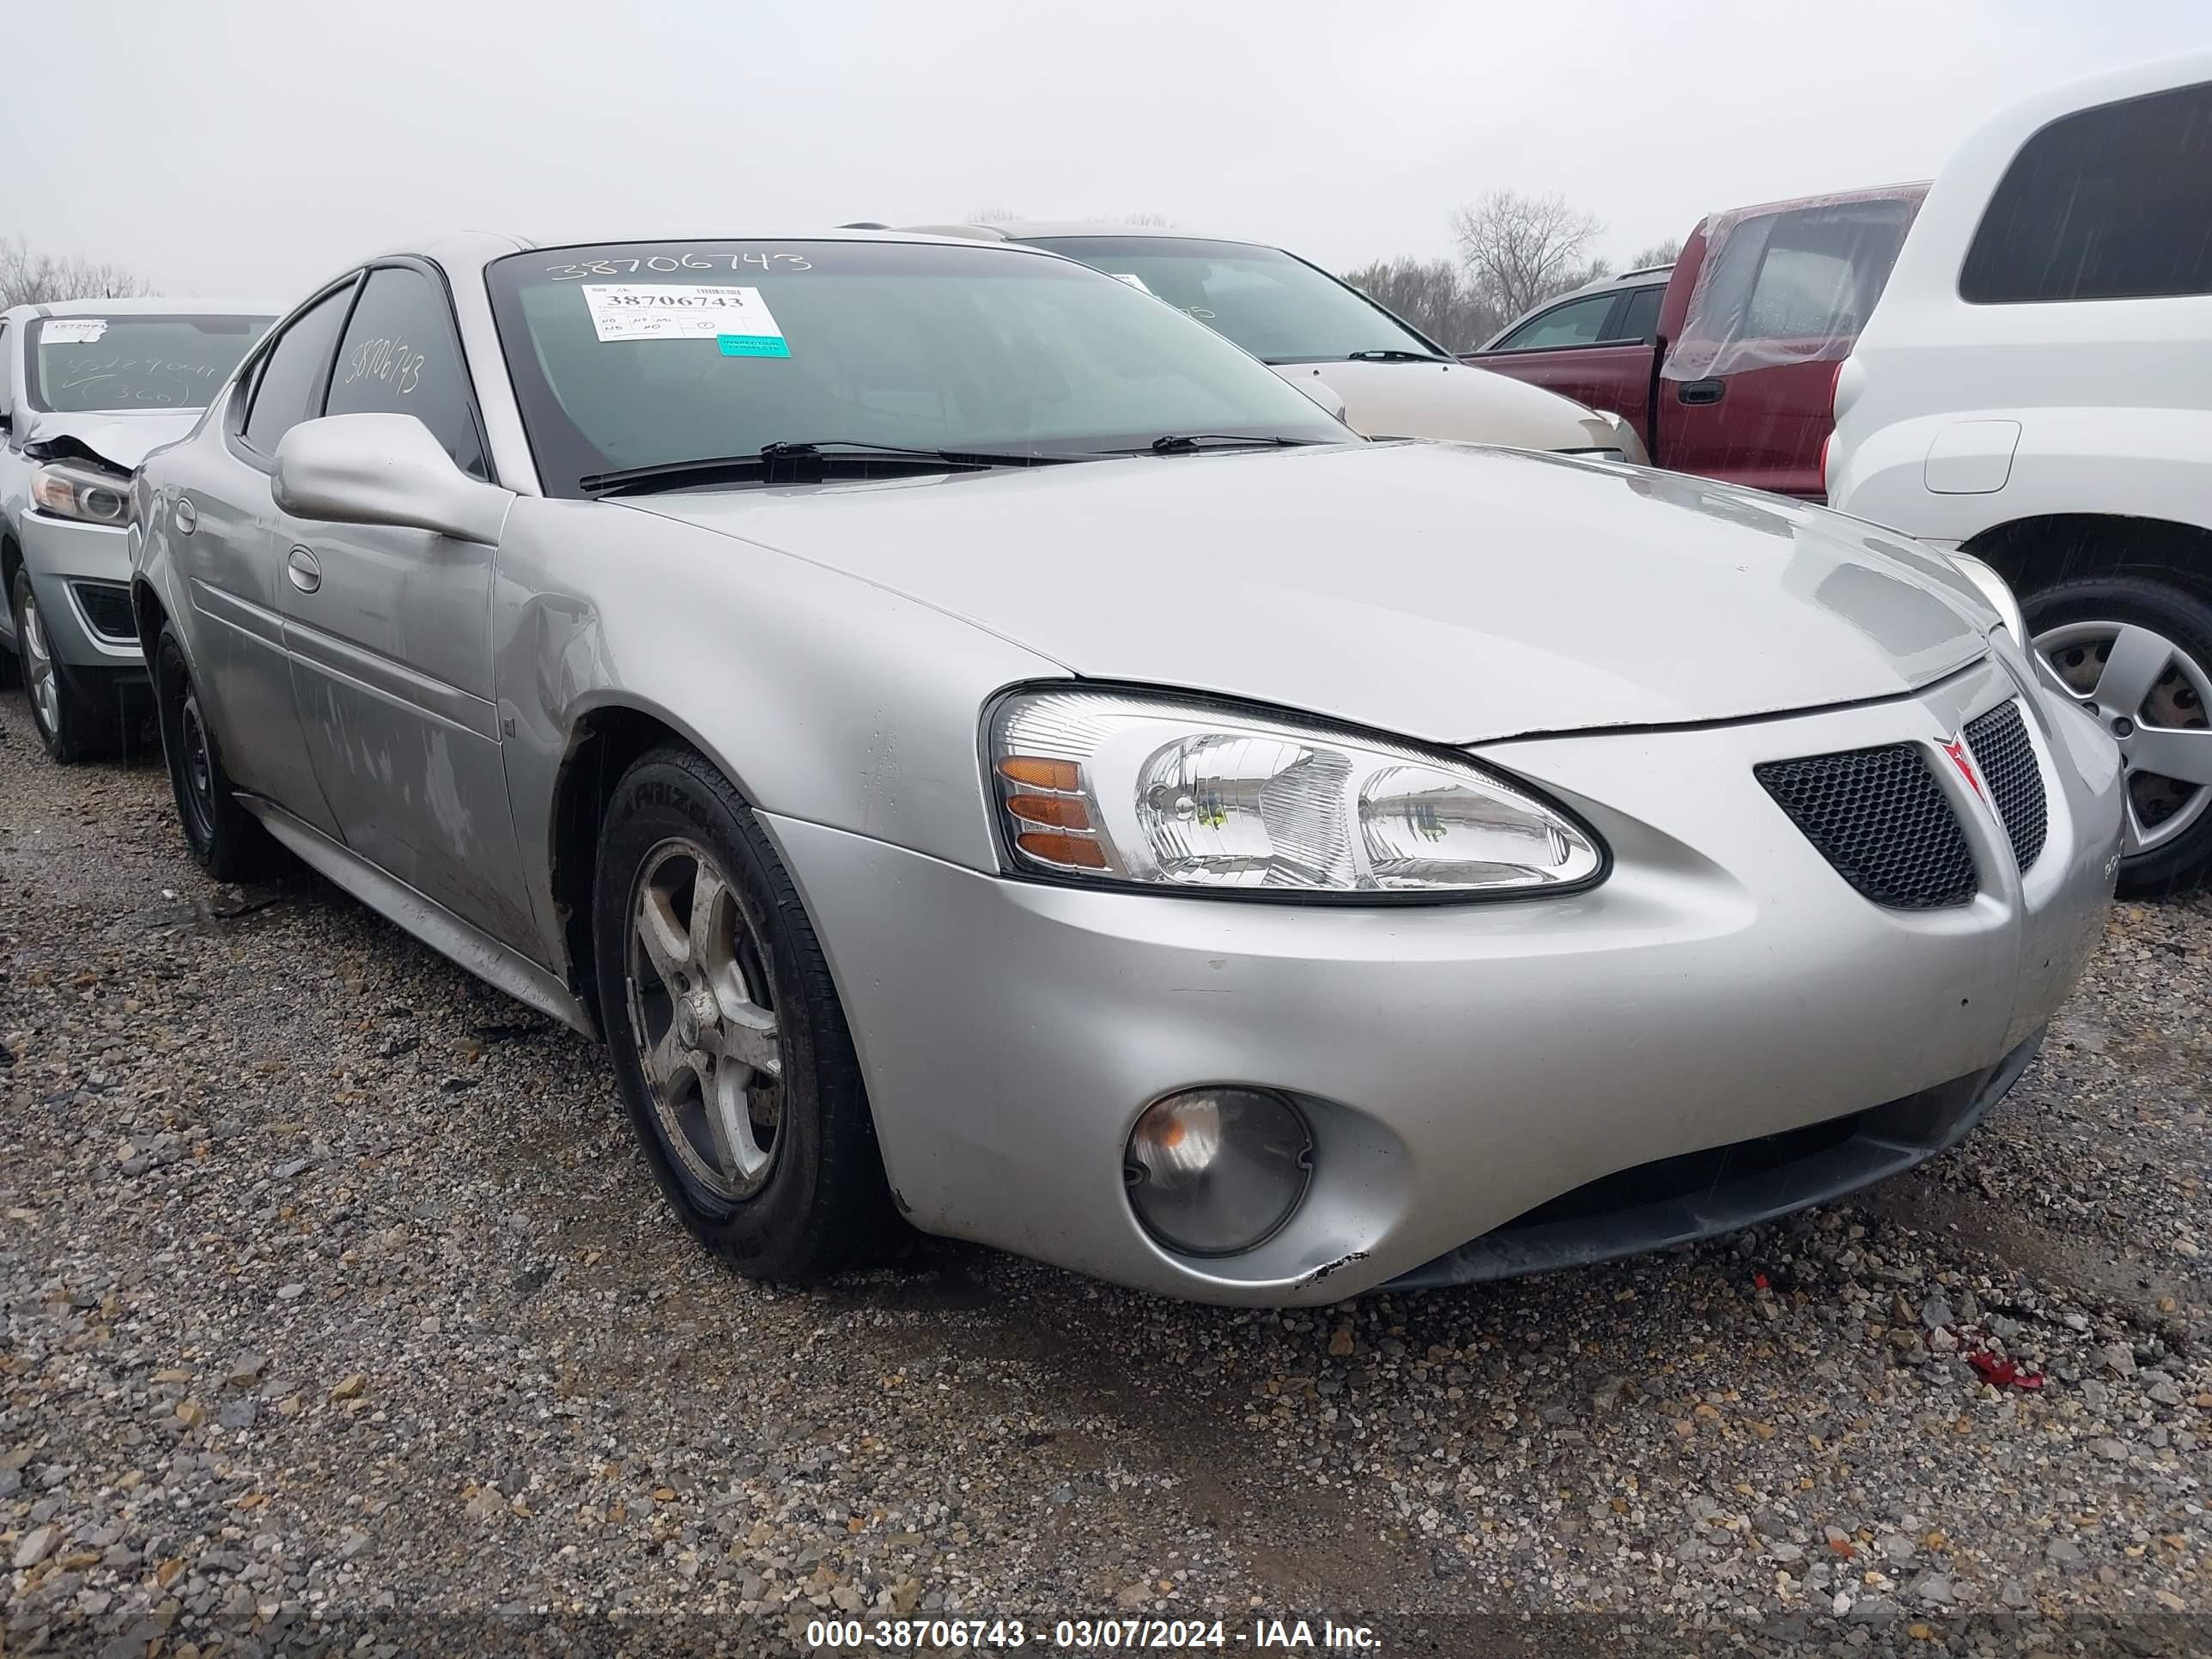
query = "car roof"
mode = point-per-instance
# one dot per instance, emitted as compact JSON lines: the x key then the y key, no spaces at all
{"x":158,"y":306}
{"x":1030,"y":230}
{"x":465,"y":248}
{"x":1642,"y":276}
{"x":1911,"y":190}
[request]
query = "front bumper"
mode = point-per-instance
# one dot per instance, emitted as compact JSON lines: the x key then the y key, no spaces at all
{"x":81,"y":575}
{"x":1458,"y":1064}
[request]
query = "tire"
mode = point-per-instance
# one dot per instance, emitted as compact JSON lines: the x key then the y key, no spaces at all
{"x":75,"y":720}
{"x":228,"y":842}
{"x":2075,"y":625}
{"x":749,"y":984}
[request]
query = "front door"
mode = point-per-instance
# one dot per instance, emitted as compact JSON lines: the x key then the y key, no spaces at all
{"x":1597,"y":350}
{"x":390,"y":635}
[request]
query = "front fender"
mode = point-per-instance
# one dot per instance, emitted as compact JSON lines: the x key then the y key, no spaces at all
{"x":820,"y":696}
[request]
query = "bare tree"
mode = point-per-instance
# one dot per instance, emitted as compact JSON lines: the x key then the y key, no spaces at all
{"x":29,"y":278}
{"x":1659,"y":254}
{"x":995,"y":216}
{"x":1520,"y":250}
{"x":1433,"y":297}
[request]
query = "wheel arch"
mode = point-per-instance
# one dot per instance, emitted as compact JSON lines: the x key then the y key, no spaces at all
{"x":603,"y":741}
{"x":2037,"y":550}
{"x":148,"y":615}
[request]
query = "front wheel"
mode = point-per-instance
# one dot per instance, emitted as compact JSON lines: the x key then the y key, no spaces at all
{"x":74,"y":722}
{"x":728,"y":1041}
{"x":2137,"y":652}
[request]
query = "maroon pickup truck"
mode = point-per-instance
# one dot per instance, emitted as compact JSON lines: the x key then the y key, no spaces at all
{"x":1725,"y":362}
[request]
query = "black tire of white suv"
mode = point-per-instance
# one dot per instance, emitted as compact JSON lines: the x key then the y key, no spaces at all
{"x":2073,"y":625}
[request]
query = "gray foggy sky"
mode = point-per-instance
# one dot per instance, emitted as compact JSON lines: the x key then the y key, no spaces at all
{"x":252,"y":148}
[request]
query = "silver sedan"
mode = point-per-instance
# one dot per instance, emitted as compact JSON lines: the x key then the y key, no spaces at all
{"x":983,"y":749}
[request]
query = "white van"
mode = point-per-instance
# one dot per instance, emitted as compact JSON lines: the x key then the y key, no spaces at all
{"x":2035,"y":389}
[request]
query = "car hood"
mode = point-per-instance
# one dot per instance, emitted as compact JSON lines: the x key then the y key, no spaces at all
{"x":1446,"y":592}
{"x":122,"y":439}
{"x":1452,"y":401}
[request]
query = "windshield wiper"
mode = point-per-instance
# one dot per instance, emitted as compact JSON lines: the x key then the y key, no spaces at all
{"x":861,"y":447}
{"x":1391,"y":355}
{"x":791,"y":456}
{"x":1184,"y":443}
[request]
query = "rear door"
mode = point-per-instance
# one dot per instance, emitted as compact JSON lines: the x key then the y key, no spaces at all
{"x":1747,"y":390}
{"x":220,"y":515}
{"x":1596,"y":349}
{"x":390,"y":634}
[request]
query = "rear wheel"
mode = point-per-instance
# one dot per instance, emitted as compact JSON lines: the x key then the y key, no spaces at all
{"x":727,"y":1038}
{"x":74,"y":721}
{"x":226,"y":839}
{"x":2138,"y":654}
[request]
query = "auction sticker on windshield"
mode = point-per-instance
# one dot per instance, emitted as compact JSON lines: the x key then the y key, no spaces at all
{"x":72,"y":330}
{"x":683,"y":311}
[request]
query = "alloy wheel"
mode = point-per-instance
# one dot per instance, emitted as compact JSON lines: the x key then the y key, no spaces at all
{"x":40,"y":677}
{"x":2155,"y":699}
{"x":702,"y":1014}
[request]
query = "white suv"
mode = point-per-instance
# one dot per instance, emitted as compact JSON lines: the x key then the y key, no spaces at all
{"x":2035,"y":389}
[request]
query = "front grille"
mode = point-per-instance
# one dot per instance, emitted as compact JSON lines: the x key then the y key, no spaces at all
{"x":106,"y":607}
{"x":1879,"y":816}
{"x":2001,"y":748}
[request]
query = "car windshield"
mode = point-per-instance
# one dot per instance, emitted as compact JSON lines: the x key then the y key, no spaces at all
{"x":645,"y":353}
{"x":1276,"y":306}
{"x":140,"y":361}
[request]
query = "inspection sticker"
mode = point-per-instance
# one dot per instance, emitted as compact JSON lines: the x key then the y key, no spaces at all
{"x":1131,"y":279}
{"x":72,"y":330}
{"x":682,"y":310}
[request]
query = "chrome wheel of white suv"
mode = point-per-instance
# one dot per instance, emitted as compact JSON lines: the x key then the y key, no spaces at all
{"x":2138,"y":654}
{"x":2152,"y":696}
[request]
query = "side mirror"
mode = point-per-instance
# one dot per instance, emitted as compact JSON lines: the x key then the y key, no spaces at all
{"x":383,"y":469}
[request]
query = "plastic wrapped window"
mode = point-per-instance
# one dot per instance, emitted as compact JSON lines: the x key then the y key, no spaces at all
{"x":1792,"y":283}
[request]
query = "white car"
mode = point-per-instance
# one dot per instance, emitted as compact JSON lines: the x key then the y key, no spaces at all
{"x":88,"y":388}
{"x":2035,"y":391}
{"x":1359,"y":360}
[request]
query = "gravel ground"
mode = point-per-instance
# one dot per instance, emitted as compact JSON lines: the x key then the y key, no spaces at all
{"x":331,"y":1290}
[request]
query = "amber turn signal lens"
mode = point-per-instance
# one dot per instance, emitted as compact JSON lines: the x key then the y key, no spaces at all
{"x":1063,"y":850}
{"x":1050,"y":809}
{"x":1063,"y":775}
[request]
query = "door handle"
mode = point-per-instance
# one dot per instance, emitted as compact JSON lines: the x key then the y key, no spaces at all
{"x":299,"y":565}
{"x":186,"y":517}
{"x":1700,"y":392}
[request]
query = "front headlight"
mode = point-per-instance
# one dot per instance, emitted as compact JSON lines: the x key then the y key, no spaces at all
{"x":1996,"y":590}
{"x":1122,"y":788}
{"x":79,"y":492}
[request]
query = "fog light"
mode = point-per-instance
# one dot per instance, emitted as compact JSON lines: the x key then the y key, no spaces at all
{"x":1214,"y":1171}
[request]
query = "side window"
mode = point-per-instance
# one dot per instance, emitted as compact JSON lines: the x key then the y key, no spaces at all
{"x":1809,"y":274}
{"x":2106,"y":203}
{"x":1578,"y":322}
{"x":1639,"y":322}
{"x":399,"y":357}
{"x":291,"y":377}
